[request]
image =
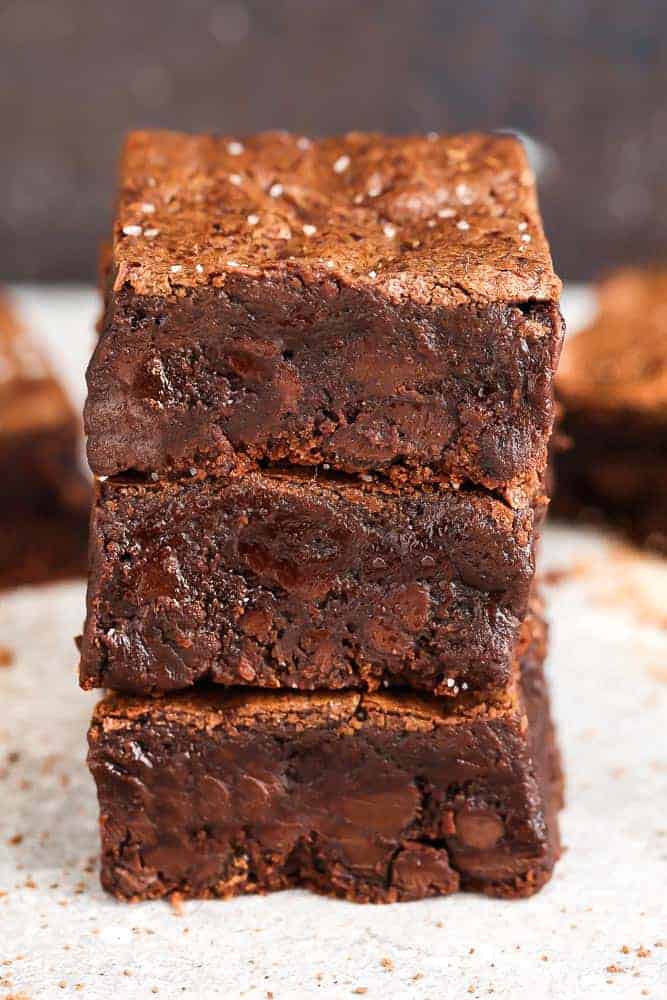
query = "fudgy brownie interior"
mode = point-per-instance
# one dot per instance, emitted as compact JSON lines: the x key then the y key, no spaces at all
{"x":279,"y":580}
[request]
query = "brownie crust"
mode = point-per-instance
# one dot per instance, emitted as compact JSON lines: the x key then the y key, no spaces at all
{"x":371,"y":797}
{"x":376,"y":305}
{"x":277,"y":580}
{"x":612,"y":388}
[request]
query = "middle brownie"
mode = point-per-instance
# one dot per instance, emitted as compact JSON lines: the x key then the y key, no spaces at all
{"x":292,"y":581}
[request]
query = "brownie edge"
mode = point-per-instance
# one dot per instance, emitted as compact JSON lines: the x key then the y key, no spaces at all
{"x":375,"y":798}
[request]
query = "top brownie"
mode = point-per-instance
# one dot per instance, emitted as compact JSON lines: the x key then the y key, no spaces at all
{"x":372,"y":304}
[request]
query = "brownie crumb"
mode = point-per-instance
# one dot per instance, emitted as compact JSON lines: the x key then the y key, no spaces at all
{"x":176,"y":901}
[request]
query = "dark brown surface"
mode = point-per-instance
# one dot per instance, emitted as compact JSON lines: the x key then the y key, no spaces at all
{"x":276,"y":580}
{"x":367,"y":303}
{"x":43,"y":547}
{"x":613,"y":391}
{"x":370,"y":797}
{"x":44,"y":497}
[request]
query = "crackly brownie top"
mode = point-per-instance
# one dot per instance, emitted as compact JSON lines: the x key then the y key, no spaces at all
{"x":440,"y":220}
{"x":620,"y":360}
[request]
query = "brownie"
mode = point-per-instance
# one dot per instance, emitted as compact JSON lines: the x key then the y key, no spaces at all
{"x":279,"y":580}
{"x":376,"y":305}
{"x":373,"y":797}
{"x":45,"y":498}
{"x":612,"y":388}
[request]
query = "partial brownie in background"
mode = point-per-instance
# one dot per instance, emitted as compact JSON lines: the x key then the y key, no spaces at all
{"x":373,"y":797}
{"x":44,"y":498}
{"x":276,"y":580}
{"x":612,"y":387}
{"x":375,"y":305}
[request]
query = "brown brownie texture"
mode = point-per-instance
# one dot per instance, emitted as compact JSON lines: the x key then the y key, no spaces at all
{"x":612,"y":388}
{"x":45,"y":498}
{"x":372,"y":797}
{"x":375,"y":304}
{"x":276,"y":579}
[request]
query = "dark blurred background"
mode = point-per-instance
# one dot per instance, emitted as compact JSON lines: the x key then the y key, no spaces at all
{"x":588,"y":79}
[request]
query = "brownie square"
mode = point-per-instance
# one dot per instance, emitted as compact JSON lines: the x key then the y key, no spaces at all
{"x":373,"y":797}
{"x":45,"y":498}
{"x":377,"y":305}
{"x":612,"y":388}
{"x":277,"y":580}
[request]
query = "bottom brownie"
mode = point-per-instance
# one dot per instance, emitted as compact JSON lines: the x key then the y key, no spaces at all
{"x":373,"y":797}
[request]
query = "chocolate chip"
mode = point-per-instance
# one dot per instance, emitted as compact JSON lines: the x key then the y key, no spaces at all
{"x":479,"y":828}
{"x":420,"y":871}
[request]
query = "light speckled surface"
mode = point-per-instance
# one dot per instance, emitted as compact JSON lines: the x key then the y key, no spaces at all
{"x":61,"y":937}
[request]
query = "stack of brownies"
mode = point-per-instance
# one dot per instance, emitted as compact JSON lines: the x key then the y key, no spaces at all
{"x":319,"y":412}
